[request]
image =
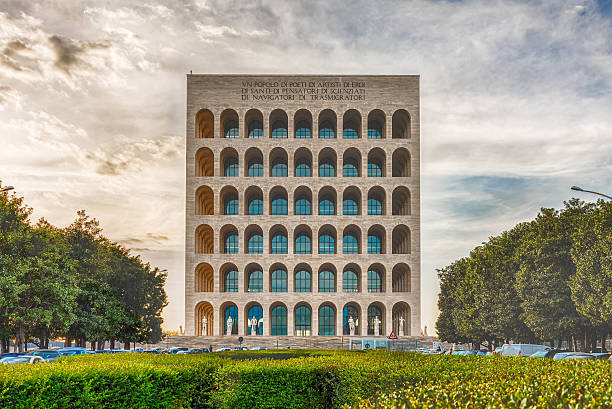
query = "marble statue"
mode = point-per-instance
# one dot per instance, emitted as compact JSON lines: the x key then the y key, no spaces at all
{"x":204,"y":326}
{"x":376,"y":325}
{"x":253,"y":325}
{"x":401,"y":327}
{"x":230,"y":324}
{"x":351,"y":324}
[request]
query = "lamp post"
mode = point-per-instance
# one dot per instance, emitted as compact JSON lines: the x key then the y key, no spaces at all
{"x":579,"y":189}
{"x":6,"y":188}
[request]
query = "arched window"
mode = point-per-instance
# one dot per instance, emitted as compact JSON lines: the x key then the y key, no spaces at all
{"x":327,"y":169}
{"x":350,"y":169}
{"x":257,"y":312}
{"x":230,"y":242}
{"x":279,"y":281}
{"x":350,"y":243}
{"x":279,"y":168}
{"x":303,"y":282}
{"x":327,"y":163}
{"x":255,"y":129}
{"x":279,"y":321}
{"x":350,"y":281}
{"x":230,"y":167}
{"x":327,"y":282}
{"x":255,"y":281}
{"x":326,"y":130}
{"x":374,"y":243}
{"x":302,"y":130}
{"x":374,"y":281}
{"x":302,"y":206}
{"x":374,"y":168}
{"x":303,"y":243}
{"x":279,"y":130}
{"x":279,"y":206}
{"x":232,"y":311}
{"x":255,"y":206}
{"x":204,"y":201}
{"x":230,"y":281}
{"x":230,"y":204}
{"x":350,"y":207}
{"x":374,"y":311}
{"x":302,"y":321}
{"x":353,"y":312}
{"x":350,"y":130}
{"x":255,"y":167}
{"x":302,"y":168}
{"x":230,"y":129}
{"x":255,"y":244}
{"x":327,"y":206}
{"x":327,"y":244}
{"x":375,"y":207}
{"x":279,"y":243}
{"x":327,"y":321}
{"x":374,"y":129}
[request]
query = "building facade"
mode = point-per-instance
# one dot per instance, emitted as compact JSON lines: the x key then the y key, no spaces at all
{"x":302,"y":206}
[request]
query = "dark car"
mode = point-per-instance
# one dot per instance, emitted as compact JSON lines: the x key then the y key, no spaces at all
{"x":49,"y":355}
{"x":70,"y":351}
{"x":602,"y":355}
{"x":579,"y":355}
{"x":175,"y":350}
{"x":11,"y":354}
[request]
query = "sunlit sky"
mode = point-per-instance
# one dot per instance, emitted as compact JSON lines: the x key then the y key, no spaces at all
{"x":516,"y":106}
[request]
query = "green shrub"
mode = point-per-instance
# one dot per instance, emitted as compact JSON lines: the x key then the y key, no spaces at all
{"x":305,"y":379}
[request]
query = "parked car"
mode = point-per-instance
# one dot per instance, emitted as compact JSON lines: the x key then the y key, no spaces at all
{"x":175,"y":350}
{"x":522,"y":349}
{"x":22,"y":359}
{"x":11,"y":354}
{"x":580,"y":355}
{"x":465,"y":352}
{"x":602,"y":355}
{"x":259,"y":349}
{"x":550,"y":353}
{"x":223,"y":349}
{"x":70,"y":351}
{"x":49,"y":355}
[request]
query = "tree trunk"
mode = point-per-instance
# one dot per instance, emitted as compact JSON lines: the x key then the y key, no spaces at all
{"x":112,"y":344}
{"x":67,"y":342}
{"x":127,"y":345}
{"x":20,"y":337}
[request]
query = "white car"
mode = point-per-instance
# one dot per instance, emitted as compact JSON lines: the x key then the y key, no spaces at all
{"x":24,"y":359}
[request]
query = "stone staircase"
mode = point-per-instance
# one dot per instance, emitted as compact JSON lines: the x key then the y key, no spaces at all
{"x":287,"y":342}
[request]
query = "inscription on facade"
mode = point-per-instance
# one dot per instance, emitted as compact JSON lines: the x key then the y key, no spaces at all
{"x":303,"y":90}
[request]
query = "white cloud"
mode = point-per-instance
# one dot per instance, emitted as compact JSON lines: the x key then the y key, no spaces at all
{"x":509,"y":91}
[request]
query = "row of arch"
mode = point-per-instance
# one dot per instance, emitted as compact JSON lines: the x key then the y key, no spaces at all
{"x":277,"y":280}
{"x":326,"y":201}
{"x":278,"y":164}
{"x":278,"y":124}
{"x":278,"y":240}
{"x":301,"y":322}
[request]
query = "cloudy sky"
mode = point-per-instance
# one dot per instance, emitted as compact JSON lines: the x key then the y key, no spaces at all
{"x":516,"y":105}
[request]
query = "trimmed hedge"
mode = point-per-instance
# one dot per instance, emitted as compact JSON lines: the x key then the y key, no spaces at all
{"x":305,"y":379}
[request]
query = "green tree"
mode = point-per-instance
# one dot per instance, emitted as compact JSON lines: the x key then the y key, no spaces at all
{"x":545,"y":268}
{"x":591,"y":284}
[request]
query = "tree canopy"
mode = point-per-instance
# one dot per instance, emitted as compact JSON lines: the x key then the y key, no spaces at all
{"x":72,"y":283}
{"x":549,"y":279}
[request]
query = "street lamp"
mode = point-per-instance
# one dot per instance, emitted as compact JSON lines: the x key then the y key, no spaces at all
{"x":6,"y":188}
{"x":579,"y":189}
